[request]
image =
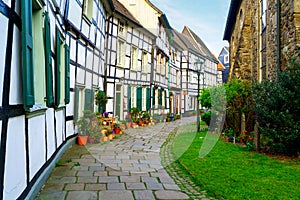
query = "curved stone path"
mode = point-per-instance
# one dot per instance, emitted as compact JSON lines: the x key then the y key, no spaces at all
{"x":126,"y":168}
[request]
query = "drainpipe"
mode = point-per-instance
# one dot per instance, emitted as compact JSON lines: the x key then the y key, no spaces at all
{"x":106,"y":56}
{"x":278,"y":10}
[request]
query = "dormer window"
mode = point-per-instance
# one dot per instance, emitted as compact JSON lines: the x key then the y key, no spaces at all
{"x":122,"y":30}
{"x":121,"y":27}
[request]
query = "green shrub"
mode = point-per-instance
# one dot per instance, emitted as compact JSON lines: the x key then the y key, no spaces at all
{"x":206,"y":117}
{"x":277,"y":104}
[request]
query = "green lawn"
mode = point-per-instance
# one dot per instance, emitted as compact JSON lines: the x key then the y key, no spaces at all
{"x":232,"y":172}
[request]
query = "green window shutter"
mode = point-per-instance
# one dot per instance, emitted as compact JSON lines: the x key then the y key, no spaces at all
{"x":153,"y":95}
{"x":57,"y":68}
{"x":88,"y":99}
{"x":67,"y":74}
{"x":166,"y":99}
{"x":76,"y":104}
{"x":160,"y":97}
{"x":148,"y":101}
{"x":48,"y":62}
{"x":139,"y":95}
{"x":129,"y":98}
{"x":27,"y":54}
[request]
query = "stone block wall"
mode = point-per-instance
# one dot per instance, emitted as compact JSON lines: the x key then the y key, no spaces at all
{"x":245,"y":43}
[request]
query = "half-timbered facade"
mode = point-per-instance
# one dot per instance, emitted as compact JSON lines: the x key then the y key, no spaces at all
{"x":50,"y":50}
{"x":189,"y":76}
{"x":128,"y":63}
{"x":153,"y":19}
{"x":210,"y":65}
{"x":175,"y":85}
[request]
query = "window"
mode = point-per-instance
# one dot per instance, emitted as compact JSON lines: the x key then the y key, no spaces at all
{"x":121,"y":53}
{"x":133,"y":97}
{"x":145,"y":62}
{"x":158,"y":63}
{"x":37,"y":75}
{"x":62,"y":70}
{"x":134,"y":57}
{"x":163,"y":65}
{"x":88,"y":10}
{"x":145,"y":98}
{"x":226,"y":59}
{"x":177,"y":78}
{"x":122,"y":30}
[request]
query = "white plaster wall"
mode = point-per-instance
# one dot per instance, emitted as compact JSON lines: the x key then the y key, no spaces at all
{"x":85,"y":28}
{"x":70,"y":106}
{"x":70,"y":128}
{"x":16,"y":77}
{"x":50,"y":132}
{"x":60,"y":127}
{"x":88,"y":82}
{"x":7,"y":2}
{"x":3,"y":28}
{"x":72,"y":76}
{"x":80,"y":76}
{"x":15,"y":165}
{"x":37,"y":144}
{"x":74,"y":13}
{"x":81,"y":54}
{"x":72,"y":49}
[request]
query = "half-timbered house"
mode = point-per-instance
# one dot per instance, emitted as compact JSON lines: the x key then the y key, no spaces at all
{"x":175,"y":86}
{"x":156,"y":22}
{"x":189,"y":76}
{"x":211,"y":62}
{"x":49,"y":50}
{"x":128,"y":63}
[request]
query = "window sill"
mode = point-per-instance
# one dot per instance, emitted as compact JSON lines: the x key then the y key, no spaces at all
{"x":36,"y":110}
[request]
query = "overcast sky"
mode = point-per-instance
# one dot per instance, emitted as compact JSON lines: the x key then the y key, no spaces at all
{"x":207,"y":18}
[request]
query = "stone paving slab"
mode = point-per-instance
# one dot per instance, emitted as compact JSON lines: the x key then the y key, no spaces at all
{"x":126,"y":168}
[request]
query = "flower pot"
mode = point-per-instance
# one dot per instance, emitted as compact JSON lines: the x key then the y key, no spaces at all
{"x":110,"y":136}
{"x":117,"y":130}
{"x":103,"y":139}
{"x":128,"y":124}
{"x":91,"y":140}
{"x":82,"y":140}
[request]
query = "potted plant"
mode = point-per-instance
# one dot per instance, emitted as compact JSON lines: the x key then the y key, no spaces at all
{"x":128,"y":120}
{"x":94,"y":130}
{"x":117,"y":128}
{"x":82,"y":125}
{"x":101,"y":100}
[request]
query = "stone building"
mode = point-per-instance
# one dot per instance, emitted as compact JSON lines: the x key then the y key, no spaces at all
{"x":263,"y":35}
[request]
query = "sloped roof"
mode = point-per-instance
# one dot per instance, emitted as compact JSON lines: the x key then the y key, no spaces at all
{"x":200,"y":44}
{"x":122,"y":10}
{"x":183,"y":40}
{"x":231,"y":18}
{"x":220,"y":66}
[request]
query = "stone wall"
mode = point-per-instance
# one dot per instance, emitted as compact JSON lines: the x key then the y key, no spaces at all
{"x":245,"y":40}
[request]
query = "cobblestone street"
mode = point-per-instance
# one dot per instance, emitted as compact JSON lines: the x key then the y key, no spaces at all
{"x":126,"y":168}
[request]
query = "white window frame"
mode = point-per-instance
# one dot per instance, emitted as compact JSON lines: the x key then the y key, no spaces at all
{"x":144,"y":61}
{"x":134,"y":57}
{"x":87,"y":10}
{"x":121,"y":53}
{"x":144,"y":98}
{"x":133,"y":97}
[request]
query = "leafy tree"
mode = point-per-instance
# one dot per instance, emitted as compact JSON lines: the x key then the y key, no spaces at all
{"x":277,"y":104}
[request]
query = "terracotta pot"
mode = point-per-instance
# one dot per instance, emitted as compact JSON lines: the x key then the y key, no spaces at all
{"x":117,"y":130}
{"x":103,"y":139}
{"x":82,"y":139}
{"x":110,"y":136}
{"x":128,"y":124}
{"x":91,"y":140}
